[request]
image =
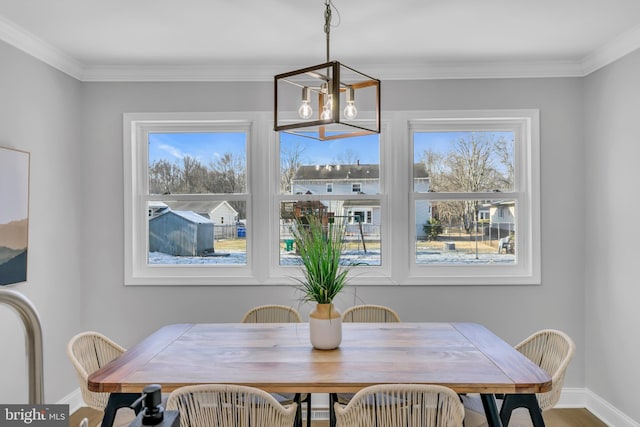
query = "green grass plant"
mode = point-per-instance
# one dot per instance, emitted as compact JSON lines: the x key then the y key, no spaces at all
{"x":320,"y":247}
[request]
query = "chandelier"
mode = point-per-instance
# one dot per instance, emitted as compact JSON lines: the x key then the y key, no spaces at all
{"x":328,"y":101}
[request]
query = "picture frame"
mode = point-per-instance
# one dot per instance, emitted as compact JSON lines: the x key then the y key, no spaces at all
{"x":14,"y":215}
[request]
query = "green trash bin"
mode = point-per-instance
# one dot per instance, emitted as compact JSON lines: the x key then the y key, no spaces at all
{"x":288,"y":245}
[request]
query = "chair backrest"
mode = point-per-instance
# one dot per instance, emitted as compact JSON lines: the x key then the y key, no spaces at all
{"x":552,"y":350}
{"x":272,"y":313}
{"x":88,"y":352}
{"x":402,"y":405}
{"x":369,"y":313}
{"x":221,"y":405}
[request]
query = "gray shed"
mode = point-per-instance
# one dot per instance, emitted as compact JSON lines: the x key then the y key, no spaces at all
{"x":180,"y":233}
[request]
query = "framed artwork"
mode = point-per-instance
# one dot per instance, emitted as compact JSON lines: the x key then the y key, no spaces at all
{"x":14,"y":215}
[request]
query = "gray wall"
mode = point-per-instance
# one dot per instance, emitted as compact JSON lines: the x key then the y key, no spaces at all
{"x":39,"y":113}
{"x":612,"y":112}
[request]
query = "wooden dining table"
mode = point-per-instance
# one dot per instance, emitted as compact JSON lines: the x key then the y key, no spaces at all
{"x":277,"y":357}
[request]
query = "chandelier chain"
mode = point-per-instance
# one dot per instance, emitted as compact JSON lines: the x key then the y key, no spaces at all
{"x":327,"y":25}
{"x":327,"y":22}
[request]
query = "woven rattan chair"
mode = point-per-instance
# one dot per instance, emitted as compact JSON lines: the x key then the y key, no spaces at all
{"x":220,"y":405}
{"x":274,"y":313}
{"x":410,"y":405}
{"x":88,"y":352}
{"x":365,"y":313}
{"x":370,"y":313}
{"x":550,"y":349}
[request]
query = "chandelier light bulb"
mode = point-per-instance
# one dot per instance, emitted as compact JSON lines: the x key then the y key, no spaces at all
{"x":305,"y":111}
{"x":326,"y":113}
{"x":326,"y":109}
{"x":350,"y":111}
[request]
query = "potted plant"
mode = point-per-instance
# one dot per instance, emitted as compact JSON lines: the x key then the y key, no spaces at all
{"x":319,"y":242}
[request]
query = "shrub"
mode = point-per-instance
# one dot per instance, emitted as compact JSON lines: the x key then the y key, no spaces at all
{"x":433,"y":228}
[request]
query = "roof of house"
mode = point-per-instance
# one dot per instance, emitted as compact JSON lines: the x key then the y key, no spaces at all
{"x":358,"y":171}
{"x":197,"y":206}
{"x":188,"y":215}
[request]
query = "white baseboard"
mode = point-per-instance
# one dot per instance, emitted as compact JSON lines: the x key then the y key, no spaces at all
{"x":585,"y":398}
{"x":608,"y":413}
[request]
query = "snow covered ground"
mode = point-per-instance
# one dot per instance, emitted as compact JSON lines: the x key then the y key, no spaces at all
{"x":371,"y":258}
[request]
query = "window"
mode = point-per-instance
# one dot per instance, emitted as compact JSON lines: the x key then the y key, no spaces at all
{"x":185,"y":175}
{"x":426,"y":202}
{"x":319,"y":179}
{"x":474,"y":183}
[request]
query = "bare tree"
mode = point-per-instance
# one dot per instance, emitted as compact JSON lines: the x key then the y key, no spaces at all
{"x":228,"y":174}
{"x":347,"y":157}
{"x":194,"y":176}
{"x":164,"y":177}
{"x":290,"y":161}
{"x":477,"y":163}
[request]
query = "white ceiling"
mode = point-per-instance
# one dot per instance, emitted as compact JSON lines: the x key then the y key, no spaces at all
{"x":96,"y":40}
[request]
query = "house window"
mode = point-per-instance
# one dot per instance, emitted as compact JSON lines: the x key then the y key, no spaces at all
{"x":183,"y":173}
{"x":306,"y":166}
{"x":475,"y":180}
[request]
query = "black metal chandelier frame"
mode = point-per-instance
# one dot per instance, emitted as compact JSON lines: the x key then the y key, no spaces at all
{"x":332,"y":85}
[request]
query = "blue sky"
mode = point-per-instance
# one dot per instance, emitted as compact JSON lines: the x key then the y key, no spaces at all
{"x":363,"y":148}
{"x":442,"y":141}
{"x":205,"y":147}
{"x":208,"y":147}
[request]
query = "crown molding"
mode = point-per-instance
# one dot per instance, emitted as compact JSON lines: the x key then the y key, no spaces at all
{"x":15,"y":36}
{"x":610,"y":52}
{"x":402,"y":71}
{"x":40,"y":49}
{"x":181,"y":73}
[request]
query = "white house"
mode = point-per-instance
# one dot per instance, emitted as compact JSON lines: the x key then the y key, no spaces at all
{"x":357,"y":178}
{"x":502,"y":217}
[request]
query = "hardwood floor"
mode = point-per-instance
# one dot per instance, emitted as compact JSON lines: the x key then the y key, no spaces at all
{"x":577,"y":417}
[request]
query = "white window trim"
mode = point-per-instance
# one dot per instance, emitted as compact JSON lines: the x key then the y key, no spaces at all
{"x":362,"y":275}
{"x":135,"y":146}
{"x":396,"y":199}
{"x":527,"y":269}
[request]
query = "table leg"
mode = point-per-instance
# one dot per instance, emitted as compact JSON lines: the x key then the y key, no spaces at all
{"x":528,"y":401}
{"x":491,"y":410}
{"x":117,"y":401}
{"x":333,"y":398}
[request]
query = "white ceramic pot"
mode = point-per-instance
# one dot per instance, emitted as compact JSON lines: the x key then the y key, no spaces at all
{"x":325,"y":327}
